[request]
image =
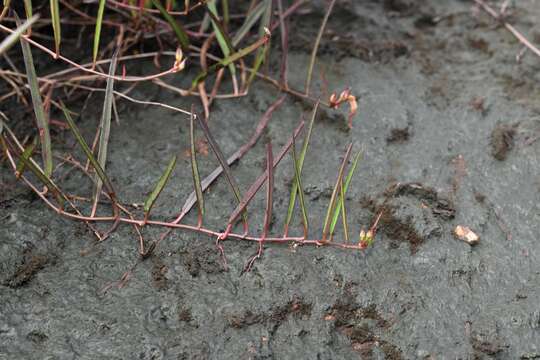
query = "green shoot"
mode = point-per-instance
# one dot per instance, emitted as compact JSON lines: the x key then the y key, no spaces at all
{"x":195,"y":170}
{"x":298,"y":185}
{"x":316,"y":46}
{"x":39,"y":111}
{"x":181,"y":34}
{"x":150,"y":201}
{"x":105,"y":128}
{"x":332,"y":202}
{"x":348,"y":179}
{"x":97,"y":31}
{"x":55,"y":17}
{"x":294,"y":190}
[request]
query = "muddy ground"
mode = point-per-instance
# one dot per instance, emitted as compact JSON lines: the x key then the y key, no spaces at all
{"x":447,"y":119}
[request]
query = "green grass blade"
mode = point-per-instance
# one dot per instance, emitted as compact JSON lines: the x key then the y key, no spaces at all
{"x":221,"y":35}
{"x":150,"y":201}
{"x":29,"y":164}
{"x":37,"y":103}
{"x":14,"y":36}
{"x":262,"y":52}
{"x":294,"y":189}
{"x":181,"y":34}
{"x":97,"y":31}
{"x":55,"y":18}
{"x":223,"y":162}
{"x":28,"y":8}
{"x":298,"y":185}
{"x":105,"y":126}
{"x":87,"y":151}
{"x":195,"y":169}
{"x":24,"y":158}
{"x":229,"y":60}
{"x":332,"y":202}
{"x":345,"y":188}
{"x":316,"y":46}
{"x":251,"y":19}
{"x":344,"y":216}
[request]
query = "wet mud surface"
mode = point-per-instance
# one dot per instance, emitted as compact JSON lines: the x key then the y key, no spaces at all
{"x":448,"y":121}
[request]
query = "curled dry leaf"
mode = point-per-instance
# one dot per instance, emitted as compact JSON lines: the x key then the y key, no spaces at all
{"x":345,"y":96}
{"x":465,"y":234}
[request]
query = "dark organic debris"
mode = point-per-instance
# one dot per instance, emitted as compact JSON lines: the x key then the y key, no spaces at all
{"x":296,"y":308}
{"x":398,"y":135}
{"x":502,"y":141}
{"x":360,"y":324}
{"x":410,"y":213}
{"x":29,"y":267}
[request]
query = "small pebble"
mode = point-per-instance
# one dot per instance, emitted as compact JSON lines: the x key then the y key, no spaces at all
{"x":465,"y":234}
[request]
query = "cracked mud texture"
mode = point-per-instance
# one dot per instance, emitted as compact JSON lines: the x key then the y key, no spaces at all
{"x":430,"y":67}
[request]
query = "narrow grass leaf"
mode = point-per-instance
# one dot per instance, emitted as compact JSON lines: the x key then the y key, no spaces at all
{"x":298,"y":185}
{"x":195,"y":169}
{"x":332,"y":202}
{"x":39,"y":111}
{"x":294,"y":189}
{"x":28,"y":8}
{"x":316,"y":46}
{"x":55,"y":18}
{"x":14,"y":36}
{"x":269,"y":189}
{"x":29,"y":164}
{"x":97,"y":31}
{"x":344,"y":211}
{"x":223,"y":162}
{"x":87,"y":151}
{"x":221,"y":35}
{"x":181,"y":34}
{"x":24,"y":158}
{"x":263,"y":51}
{"x":105,"y":126}
{"x":150,"y":201}
{"x":348,"y":179}
{"x":251,"y":19}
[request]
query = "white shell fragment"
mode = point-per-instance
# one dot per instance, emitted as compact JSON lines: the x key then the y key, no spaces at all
{"x":465,"y":234}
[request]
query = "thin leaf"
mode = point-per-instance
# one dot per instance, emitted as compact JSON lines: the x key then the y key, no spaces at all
{"x":105,"y":126}
{"x":29,"y":164}
{"x":332,"y":202}
{"x":348,"y":179}
{"x":269,"y":189}
{"x":181,"y":34}
{"x":294,"y":189}
{"x":229,"y":60}
{"x":195,"y":169}
{"x":14,"y":36}
{"x":223,"y":162}
{"x":251,"y":19}
{"x":150,"y":201}
{"x":28,"y":9}
{"x":298,"y":185}
{"x":97,"y":31}
{"x":24,"y":158}
{"x":221,"y":35}
{"x":55,"y":18}
{"x":263,"y":51}
{"x":316,"y":46}
{"x":37,"y":103}
{"x":87,"y":151}
{"x":343,"y":208}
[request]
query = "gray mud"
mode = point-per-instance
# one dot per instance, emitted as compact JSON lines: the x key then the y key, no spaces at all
{"x":439,"y":93}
